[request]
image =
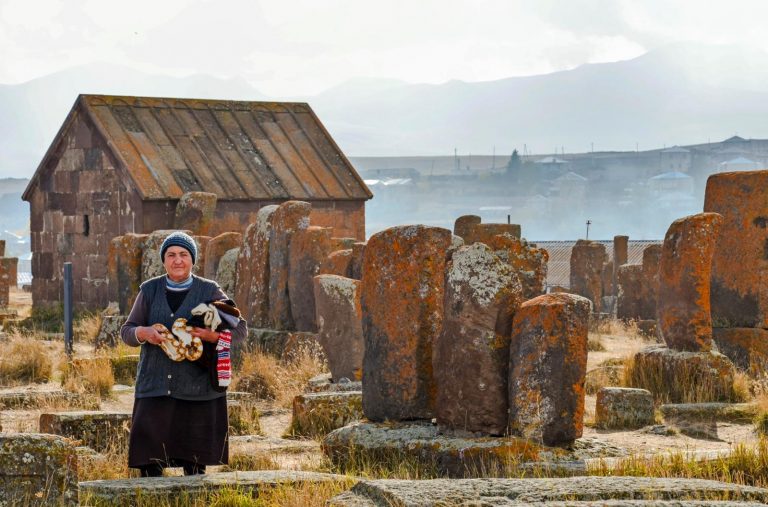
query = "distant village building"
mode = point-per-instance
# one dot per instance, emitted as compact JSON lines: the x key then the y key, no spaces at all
{"x":120,"y":164}
{"x":570,"y":186}
{"x":675,"y":159}
{"x":738,"y":164}
{"x":671,"y":182}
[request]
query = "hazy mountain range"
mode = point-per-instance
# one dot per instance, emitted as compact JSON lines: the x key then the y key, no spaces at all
{"x":679,"y":94}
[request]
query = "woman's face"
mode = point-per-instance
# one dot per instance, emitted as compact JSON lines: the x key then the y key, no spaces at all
{"x":177,"y":263}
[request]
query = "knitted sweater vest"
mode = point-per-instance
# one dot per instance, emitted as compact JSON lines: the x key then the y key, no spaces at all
{"x":157,"y":375}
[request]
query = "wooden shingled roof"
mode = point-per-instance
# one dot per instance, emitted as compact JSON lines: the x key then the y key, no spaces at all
{"x":559,"y":265}
{"x":237,"y":150}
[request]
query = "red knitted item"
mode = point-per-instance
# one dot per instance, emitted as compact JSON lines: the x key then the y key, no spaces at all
{"x":223,"y":364}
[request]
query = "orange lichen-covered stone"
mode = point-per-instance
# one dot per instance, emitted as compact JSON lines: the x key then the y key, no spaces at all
{"x":288,"y":218}
{"x":336,"y":263}
{"x":195,"y":212}
{"x":747,"y":347}
{"x":124,"y":268}
{"x":202,"y":250}
{"x":252,"y":269}
{"x":216,"y":248}
{"x":740,"y":260}
{"x":650,"y":287}
{"x":309,"y":247}
{"x":683,"y":312}
{"x":529,"y":262}
{"x":630,"y":291}
{"x":483,"y":233}
{"x":471,"y":355}
{"x":402,"y":303}
{"x":548,"y":366}
{"x":588,"y":259}
{"x":356,"y":264}
{"x":340,"y":324}
{"x":464,"y":224}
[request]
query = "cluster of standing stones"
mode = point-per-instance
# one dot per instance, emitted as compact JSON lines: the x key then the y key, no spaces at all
{"x":446,"y":341}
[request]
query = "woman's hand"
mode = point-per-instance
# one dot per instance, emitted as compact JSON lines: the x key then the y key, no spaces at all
{"x":205,"y":334}
{"x":149,"y":334}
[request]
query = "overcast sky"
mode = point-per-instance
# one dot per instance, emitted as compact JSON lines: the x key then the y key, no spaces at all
{"x":302,"y":47}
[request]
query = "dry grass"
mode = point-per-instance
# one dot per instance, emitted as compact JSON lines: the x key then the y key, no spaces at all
{"x":745,"y":465}
{"x":595,"y":344}
{"x":609,"y":373}
{"x":85,"y":327}
{"x":687,"y":385}
{"x":24,"y":360}
{"x":93,"y":375}
{"x":109,"y":465}
{"x":269,"y":378}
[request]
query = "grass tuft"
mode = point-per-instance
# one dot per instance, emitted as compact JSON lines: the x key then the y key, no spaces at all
{"x":24,"y":360}
{"x":93,"y":375}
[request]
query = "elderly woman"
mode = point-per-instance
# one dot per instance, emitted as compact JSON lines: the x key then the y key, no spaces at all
{"x":179,"y":415}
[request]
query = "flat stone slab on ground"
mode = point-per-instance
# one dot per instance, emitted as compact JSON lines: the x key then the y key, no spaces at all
{"x":317,"y":414}
{"x":31,"y":399}
{"x":323,"y":383}
{"x":566,"y":491}
{"x":450,"y":455}
{"x":94,"y":429}
{"x":700,"y":419}
{"x":163,"y":489}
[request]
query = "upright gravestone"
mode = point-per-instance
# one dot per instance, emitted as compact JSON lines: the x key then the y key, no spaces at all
{"x":587,"y":261}
{"x":252,"y":287}
{"x":340,"y":327}
{"x":685,"y":322}
{"x":217,"y":247}
{"x":402,"y":303}
{"x":650,"y":287}
{"x":124,"y":268}
{"x":309,"y":248}
{"x":471,"y":355}
{"x":195,"y":212}
{"x":548,"y":366}
{"x":529,"y":262}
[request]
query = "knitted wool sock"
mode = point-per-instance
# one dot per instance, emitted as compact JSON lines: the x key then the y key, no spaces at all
{"x":223,"y":365}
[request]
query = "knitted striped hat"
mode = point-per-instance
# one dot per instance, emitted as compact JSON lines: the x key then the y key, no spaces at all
{"x":181,"y":239}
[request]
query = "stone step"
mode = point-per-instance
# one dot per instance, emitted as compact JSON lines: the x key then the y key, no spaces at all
{"x":27,"y":399}
{"x":564,"y":491}
{"x":317,"y":414}
{"x":95,"y":429}
{"x":165,"y":489}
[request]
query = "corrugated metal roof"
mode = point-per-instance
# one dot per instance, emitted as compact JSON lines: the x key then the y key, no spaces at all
{"x":237,"y":150}
{"x":559,"y":265}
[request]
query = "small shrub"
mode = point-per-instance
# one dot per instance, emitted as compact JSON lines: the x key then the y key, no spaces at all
{"x":89,"y":376}
{"x":24,"y":360}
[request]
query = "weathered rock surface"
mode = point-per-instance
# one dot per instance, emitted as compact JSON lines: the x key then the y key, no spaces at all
{"x":109,"y":332}
{"x":739,"y":263}
{"x":323,"y":383}
{"x":402,"y":303}
{"x":340,"y":327}
{"x":464,"y":225}
{"x":317,"y":414}
{"x":482,"y":293}
{"x":620,"y":257}
{"x":529,"y":262}
{"x":202,"y":250}
{"x":31,"y":399}
{"x":9,"y":268}
{"x":217,"y":247}
{"x":587,"y":261}
{"x":37,"y":469}
{"x":681,"y":377}
{"x":124,"y":268}
{"x":252,"y":287}
{"x":699,"y":420}
{"x":484,"y":233}
{"x":288,"y":218}
{"x":160,"y":490}
{"x":650,"y":295}
{"x":683,"y":308}
{"x":629,"y":280}
{"x":195,"y":212}
{"x":572,"y":491}
{"x":95,"y":429}
{"x":747,"y":347}
{"x":451,"y":456}
{"x":337,"y":263}
{"x":356,"y":264}
{"x":548,"y":360}
{"x":226,"y":274}
{"x":309,"y":247}
{"x":622,"y":407}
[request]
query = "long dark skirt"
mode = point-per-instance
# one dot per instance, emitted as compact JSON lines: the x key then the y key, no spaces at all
{"x":167,"y":430}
